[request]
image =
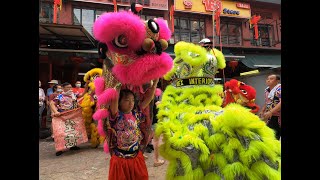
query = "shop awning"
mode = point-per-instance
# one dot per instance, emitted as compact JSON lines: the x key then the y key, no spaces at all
{"x":260,"y":61}
{"x":62,"y":36}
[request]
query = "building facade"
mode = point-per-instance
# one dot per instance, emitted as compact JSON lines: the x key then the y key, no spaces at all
{"x":190,"y":20}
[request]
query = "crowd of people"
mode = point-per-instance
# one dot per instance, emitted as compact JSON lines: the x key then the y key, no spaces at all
{"x":63,"y":97}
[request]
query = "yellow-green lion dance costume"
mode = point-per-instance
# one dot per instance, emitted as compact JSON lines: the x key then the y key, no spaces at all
{"x":202,"y":140}
{"x":88,"y":107}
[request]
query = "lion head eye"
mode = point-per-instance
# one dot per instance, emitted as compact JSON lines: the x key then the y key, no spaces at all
{"x":121,"y":41}
{"x":153,"y":26}
{"x":244,"y":91}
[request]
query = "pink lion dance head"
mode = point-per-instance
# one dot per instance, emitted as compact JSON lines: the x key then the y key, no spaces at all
{"x":134,"y":46}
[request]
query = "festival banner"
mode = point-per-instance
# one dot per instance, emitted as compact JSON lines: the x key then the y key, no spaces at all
{"x":69,"y":129}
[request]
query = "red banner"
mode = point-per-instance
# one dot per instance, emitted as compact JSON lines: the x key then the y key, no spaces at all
{"x":69,"y":129}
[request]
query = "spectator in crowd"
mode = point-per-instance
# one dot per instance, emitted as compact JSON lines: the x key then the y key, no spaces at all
{"x":57,"y":89}
{"x":42,"y":98}
{"x":271,"y":111}
{"x":78,"y":91}
{"x":49,"y":92}
{"x":64,"y":102}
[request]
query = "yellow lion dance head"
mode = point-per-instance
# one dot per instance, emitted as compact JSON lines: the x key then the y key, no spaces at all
{"x":90,"y":76}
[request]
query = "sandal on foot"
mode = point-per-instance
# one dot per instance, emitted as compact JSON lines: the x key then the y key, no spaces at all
{"x":159,"y":163}
{"x":145,"y":156}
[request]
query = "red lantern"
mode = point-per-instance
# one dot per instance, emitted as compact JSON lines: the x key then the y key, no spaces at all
{"x":233,"y":64}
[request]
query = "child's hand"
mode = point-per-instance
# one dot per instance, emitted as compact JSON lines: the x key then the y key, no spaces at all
{"x":155,"y":82}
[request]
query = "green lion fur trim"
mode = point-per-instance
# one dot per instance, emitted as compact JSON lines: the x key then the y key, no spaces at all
{"x":182,"y":51}
{"x":220,"y":58}
{"x":212,"y":176}
{"x":201,"y":139}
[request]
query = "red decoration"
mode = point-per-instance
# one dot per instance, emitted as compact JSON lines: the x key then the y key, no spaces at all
{"x":115,"y":6}
{"x":217,"y":17}
{"x":211,"y":5}
{"x":56,"y":4}
{"x":77,"y":59}
{"x":254,"y":21}
{"x":172,"y":18}
{"x":233,"y":64}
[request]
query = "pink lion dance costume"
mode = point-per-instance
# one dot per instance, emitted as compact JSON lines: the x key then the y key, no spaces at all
{"x":134,"y":57}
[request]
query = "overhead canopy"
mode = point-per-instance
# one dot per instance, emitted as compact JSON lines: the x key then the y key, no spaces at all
{"x":257,"y":61}
{"x":62,"y":36}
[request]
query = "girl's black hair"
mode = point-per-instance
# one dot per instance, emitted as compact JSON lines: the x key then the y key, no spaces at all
{"x":125,"y":93}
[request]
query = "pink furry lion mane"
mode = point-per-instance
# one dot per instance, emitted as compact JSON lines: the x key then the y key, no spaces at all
{"x":135,"y":47}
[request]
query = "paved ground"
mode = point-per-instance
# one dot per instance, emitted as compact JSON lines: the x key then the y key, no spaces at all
{"x":86,"y":163}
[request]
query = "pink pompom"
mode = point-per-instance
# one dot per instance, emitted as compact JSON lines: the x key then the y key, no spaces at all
{"x":107,"y":96}
{"x":105,"y":147}
{"x":100,"y":114}
{"x":158,"y":92}
{"x":100,"y":128}
{"x":99,"y":84}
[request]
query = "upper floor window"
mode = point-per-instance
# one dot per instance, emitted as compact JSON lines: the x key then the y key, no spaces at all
{"x":147,"y":17}
{"x":189,"y":30}
{"x":86,"y":17}
{"x":230,"y":33}
{"x":46,"y":12}
{"x":266,"y":35}
{"x":264,"y":15}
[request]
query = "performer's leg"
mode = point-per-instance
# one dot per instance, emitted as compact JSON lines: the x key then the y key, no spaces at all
{"x":41,"y":108}
{"x":157,"y":161}
{"x":273,"y":124}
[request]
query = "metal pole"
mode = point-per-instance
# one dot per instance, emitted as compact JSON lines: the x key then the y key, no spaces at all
{"x":213,"y":11}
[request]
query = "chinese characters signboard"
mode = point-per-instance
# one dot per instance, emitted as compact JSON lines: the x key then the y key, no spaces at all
{"x":149,"y":4}
{"x":243,"y":5}
{"x":187,"y":4}
{"x":228,"y":8}
{"x":69,"y":129}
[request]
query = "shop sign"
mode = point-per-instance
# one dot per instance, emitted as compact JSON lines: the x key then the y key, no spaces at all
{"x":229,"y":11}
{"x":243,"y":5}
{"x":148,"y":4}
{"x":211,"y":5}
{"x":187,"y":4}
{"x":227,"y":8}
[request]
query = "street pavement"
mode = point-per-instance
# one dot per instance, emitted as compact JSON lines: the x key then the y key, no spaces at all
{"x":86,"y":163}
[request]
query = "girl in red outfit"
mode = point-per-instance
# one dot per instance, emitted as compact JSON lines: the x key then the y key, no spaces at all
{"x":127,"y":161}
